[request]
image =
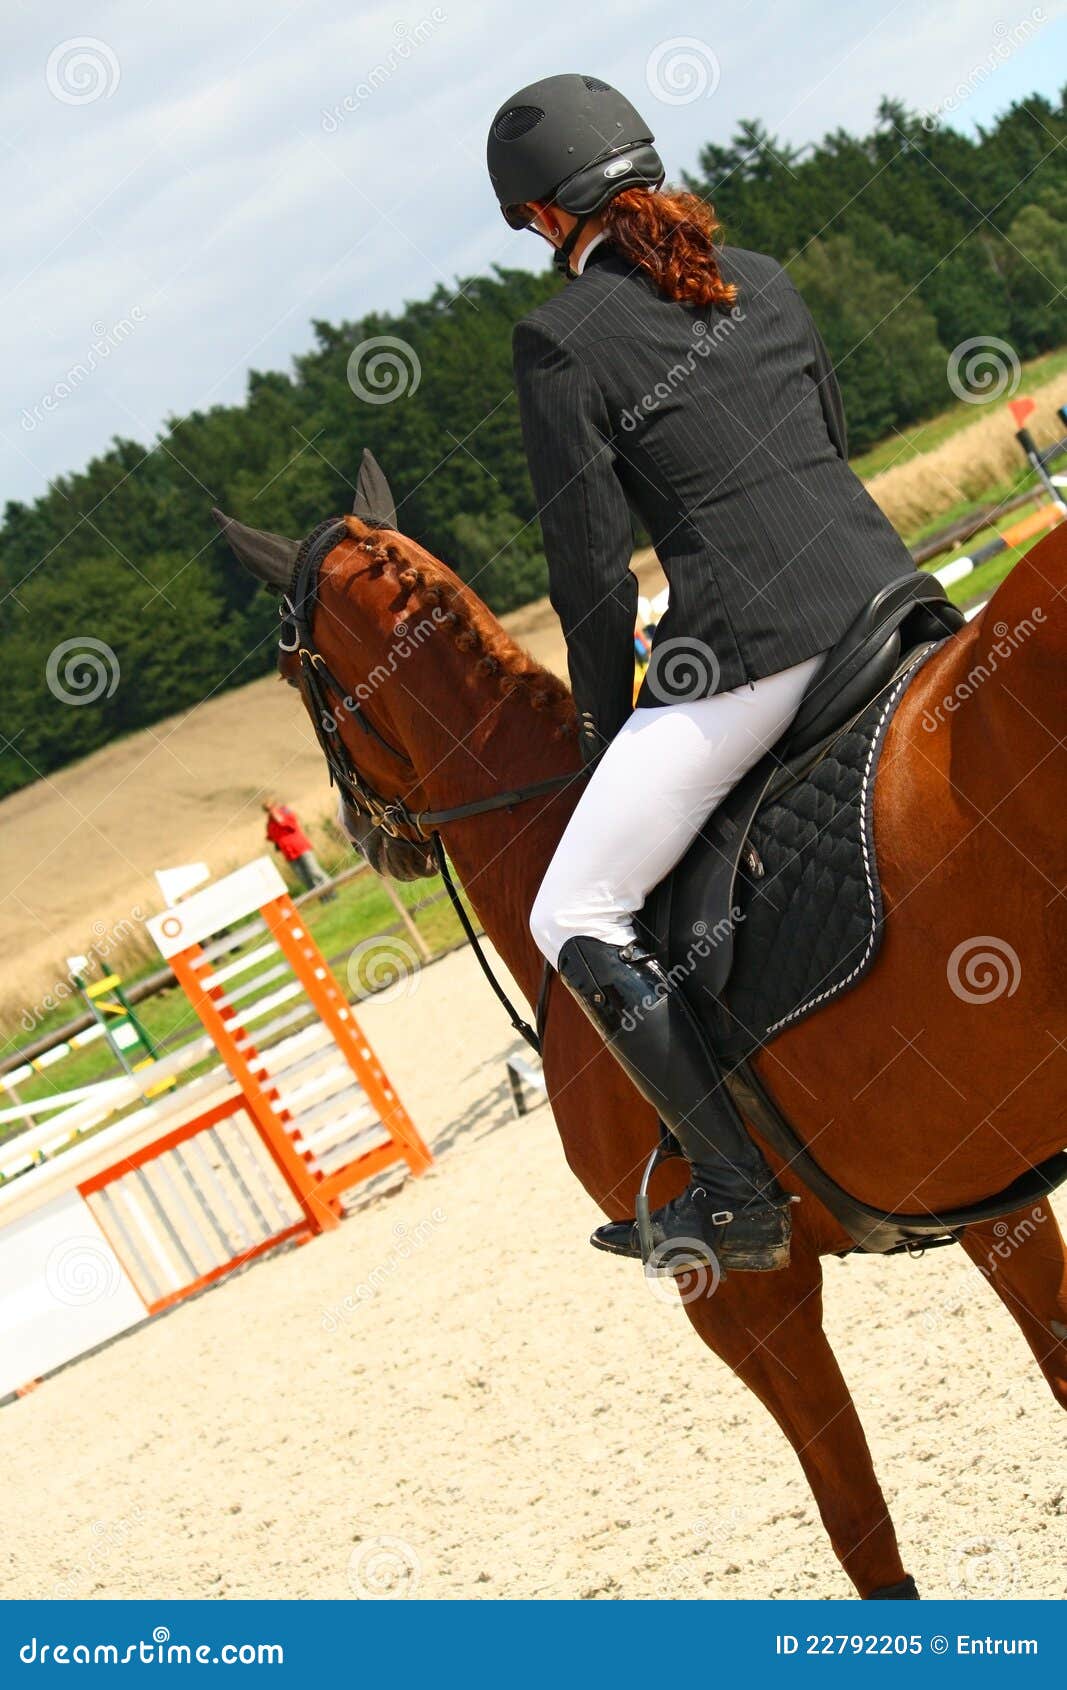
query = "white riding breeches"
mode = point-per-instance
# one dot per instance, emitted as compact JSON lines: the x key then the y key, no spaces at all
{"x":648,"y":797}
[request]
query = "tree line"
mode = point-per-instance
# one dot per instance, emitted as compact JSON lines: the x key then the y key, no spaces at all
{"x":905,"y":243}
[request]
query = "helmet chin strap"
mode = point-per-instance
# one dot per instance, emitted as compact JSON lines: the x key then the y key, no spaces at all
{"x":561,"y":258}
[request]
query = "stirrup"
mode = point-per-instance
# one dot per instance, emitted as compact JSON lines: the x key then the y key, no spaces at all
{"x":665,"y":1151}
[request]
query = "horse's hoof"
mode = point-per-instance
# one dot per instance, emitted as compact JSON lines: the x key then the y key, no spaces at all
{"x":905,"y":1591}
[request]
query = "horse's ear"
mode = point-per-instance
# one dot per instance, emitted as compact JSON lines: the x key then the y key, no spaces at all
{"x":373,"y":501}
{"x":270,"y":557}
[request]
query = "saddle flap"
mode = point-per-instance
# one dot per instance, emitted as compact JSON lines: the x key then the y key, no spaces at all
{"x":694,"y":909}
{"x":776,"y":906}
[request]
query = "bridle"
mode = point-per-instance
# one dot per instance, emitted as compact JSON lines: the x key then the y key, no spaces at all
{"x":297,"y":612}
{"x":391,"y":815}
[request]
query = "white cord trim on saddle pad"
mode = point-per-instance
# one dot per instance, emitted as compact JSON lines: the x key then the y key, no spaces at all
{"x":832,"y":991}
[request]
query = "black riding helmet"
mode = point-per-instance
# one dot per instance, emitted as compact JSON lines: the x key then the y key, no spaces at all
{"x":573,"y":140}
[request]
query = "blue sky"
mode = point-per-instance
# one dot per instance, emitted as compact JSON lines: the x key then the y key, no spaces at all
{"x":187,"y":185}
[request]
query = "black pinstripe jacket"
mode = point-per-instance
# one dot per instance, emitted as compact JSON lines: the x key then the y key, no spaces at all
{"x":725,"y":432}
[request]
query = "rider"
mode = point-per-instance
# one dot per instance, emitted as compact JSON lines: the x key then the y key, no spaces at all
{"x":684,"y":380}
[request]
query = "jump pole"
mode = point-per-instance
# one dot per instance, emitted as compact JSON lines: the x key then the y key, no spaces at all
{"x":201,"y":1180}
{"x":183,"y":935}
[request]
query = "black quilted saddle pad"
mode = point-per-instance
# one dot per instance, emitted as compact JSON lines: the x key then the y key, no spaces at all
{"x":810,"y":926}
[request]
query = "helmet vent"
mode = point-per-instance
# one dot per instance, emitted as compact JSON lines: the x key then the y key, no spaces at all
{"x":518,"y":121}
{"x":596,"y":87}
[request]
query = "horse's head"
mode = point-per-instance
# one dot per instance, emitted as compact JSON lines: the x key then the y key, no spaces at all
{"x":387,"y":853}
{"x":383,"y":775}
{"x":403,"y":671}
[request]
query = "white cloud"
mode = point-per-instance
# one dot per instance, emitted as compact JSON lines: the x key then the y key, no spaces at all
{"x":207,"y":191}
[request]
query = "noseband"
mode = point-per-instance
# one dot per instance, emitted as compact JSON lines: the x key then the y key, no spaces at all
{"x":391,"y":815}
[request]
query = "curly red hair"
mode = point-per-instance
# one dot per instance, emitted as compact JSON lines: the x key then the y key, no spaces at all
{"x":671,"y":236}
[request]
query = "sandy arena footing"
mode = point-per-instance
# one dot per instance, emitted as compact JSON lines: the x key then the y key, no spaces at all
{"x":452,"y":1395}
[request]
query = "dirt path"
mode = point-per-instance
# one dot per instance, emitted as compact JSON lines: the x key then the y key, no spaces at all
{"x":453,"y":1395}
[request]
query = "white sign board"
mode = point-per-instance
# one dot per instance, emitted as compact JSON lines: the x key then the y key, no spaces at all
{"x":175,"y":883}
{"x":62,"y":1291}
{"x":218,"y":905}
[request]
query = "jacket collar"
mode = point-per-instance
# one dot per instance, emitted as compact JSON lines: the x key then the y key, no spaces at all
{"x":595,"y":245}
{"x":599,"y":249}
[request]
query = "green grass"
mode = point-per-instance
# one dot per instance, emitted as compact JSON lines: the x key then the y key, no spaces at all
{"x":982,"y":582}
{"x":996,"y":494}
{"x":900,"y":446}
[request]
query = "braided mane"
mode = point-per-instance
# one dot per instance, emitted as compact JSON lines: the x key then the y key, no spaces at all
{"x":427,"y":584}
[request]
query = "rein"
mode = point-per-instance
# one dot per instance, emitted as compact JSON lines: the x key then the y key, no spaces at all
{"x":391,"y":815}
{"x":467,"y":925}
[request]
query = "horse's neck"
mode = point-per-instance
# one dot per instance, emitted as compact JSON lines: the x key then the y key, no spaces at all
{"x":501,"y":855}
{"x":501,"y":868}
{"x":994,"y":702}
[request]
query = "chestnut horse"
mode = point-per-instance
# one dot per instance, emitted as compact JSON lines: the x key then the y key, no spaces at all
{"x":938,"y":1080}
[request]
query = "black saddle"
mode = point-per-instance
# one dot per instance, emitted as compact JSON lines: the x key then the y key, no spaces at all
{"x":702,"y":897}
{"x":776,"y":907}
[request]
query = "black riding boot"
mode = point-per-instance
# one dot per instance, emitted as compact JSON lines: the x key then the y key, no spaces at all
{"x":733,"y":1211}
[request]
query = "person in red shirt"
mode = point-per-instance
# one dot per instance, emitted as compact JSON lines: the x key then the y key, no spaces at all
{"x":288,"y":837}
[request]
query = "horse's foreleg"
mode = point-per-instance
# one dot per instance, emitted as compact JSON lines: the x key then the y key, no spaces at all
{"x":768,"y":1328}
{"x":1025,"y":1261}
